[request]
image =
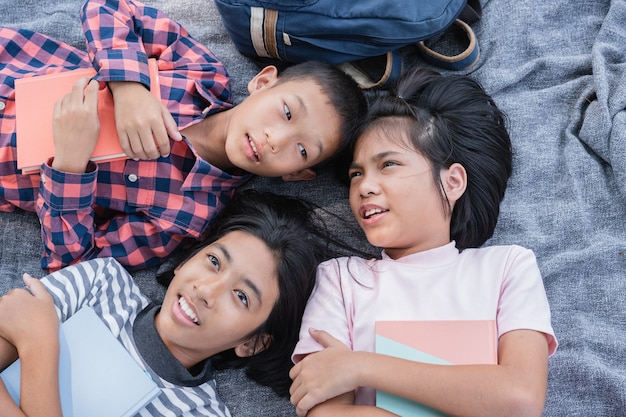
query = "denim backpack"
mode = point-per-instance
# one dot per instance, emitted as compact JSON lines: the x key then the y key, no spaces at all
{"x":355,"y":34}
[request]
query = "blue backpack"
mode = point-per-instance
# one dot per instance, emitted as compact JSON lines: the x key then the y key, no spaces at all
{"x":349,"y":33}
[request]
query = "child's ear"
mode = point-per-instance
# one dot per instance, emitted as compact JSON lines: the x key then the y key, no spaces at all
{"x":256,"y":344}
{"x":264,"y":78}
{"x":454,"y":180}
{"x":303,"y":175}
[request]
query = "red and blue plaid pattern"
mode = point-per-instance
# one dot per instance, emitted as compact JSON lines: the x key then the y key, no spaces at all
{"x":136,"y":211}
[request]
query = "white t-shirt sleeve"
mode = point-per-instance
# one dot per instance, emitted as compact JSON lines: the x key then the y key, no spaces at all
{"x":523,"y":303}
{"x":326,"y":310}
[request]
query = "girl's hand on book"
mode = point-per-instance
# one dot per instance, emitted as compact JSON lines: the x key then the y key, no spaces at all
{"x":28,"y":319}
{"x":75,"y":127}
{"x":323,"y":375}
{"x":144,"y":124}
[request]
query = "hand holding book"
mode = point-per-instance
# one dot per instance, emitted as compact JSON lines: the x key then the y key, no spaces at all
{"x":144,"y":124}
{"x":75,"y":127}
{"x":36,"y":97}
{"x":325,"y":374}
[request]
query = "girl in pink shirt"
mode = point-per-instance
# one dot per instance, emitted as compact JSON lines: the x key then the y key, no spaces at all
{"x":428,"y":173}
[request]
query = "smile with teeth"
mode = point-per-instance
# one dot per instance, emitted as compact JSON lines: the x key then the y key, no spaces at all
{"x":187,"y":310}
{"x":253,"y":146}
{"x":371,"y":212}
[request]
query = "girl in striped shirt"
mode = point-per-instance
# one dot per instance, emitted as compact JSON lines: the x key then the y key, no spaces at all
{"x":236,"y":301}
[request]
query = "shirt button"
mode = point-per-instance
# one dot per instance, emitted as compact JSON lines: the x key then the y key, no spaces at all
{"x":132,"y":178}
{"x":2,"y":105}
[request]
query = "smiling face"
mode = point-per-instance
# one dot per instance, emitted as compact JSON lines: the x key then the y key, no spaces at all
{"x":282,"y":127}
{"x":218,"y":298}
{"x":393,"y":195}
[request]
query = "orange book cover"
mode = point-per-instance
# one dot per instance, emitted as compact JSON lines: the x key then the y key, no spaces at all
{"x":34,"y":103}
{"x":445,"y":342}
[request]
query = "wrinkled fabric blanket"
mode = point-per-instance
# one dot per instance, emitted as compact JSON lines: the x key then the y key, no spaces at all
{"x":558,"y":69}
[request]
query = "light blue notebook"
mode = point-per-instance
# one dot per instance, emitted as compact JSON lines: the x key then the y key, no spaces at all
{"x":97,"y":376}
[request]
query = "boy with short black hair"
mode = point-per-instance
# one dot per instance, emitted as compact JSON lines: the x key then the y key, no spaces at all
{"x":188,"y":152}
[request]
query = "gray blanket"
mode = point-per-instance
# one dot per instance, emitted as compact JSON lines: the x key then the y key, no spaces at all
{"x":558,"y":69}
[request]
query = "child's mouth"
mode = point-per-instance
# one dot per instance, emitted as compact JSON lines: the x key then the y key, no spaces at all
{"x":187,"y":310}
{"x":253,"y":147}
{"x":372,"y":212}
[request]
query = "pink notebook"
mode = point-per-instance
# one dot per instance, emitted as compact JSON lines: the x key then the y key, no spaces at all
{"x":34,"y":103}
{"x":448,"y":342}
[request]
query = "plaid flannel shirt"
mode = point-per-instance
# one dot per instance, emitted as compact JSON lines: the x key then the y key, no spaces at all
{"x":138,"y":212}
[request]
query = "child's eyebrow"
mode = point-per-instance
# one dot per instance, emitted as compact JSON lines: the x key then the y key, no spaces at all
{"x":247,"y":281}
{"x":254,"y":288}
{"x":383,"y":155}
{"x":377,"y":157}
{"x":301,"y":103}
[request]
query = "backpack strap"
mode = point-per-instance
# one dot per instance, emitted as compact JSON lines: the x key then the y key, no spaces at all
{"x":471,"y":13}
{"x":462,"y":61}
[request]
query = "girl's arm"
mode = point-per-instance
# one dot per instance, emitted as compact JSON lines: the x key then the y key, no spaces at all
{"x":8,"y":407}
{"x":343,"y":405}
{"x":8,"y":355}
{"x":515,"y":387}
{"x":28,"y":321}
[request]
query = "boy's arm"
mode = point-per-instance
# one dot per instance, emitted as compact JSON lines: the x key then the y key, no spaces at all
{"x":121,"y":36}
{"x":116,"y":46}
{"x":64,"y":204}
{"x":516,"y":386}
{"x":70,"y":234}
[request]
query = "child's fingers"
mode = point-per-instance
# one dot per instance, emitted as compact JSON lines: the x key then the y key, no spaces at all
{"x":161,"y":139}
{"x":35,"y":286}
{"x":170,"y":124}
{"x":322,"y":337}
{"x":91,"y":94}
{"x":80,"y":85}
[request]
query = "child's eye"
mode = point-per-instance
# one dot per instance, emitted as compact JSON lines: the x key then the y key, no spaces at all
{"x":354,"y":174}
{"x":215,"y":261}
{"x":389,"y":164}
{"x":243,"y":297}
{"x":302,"y":150}
{"x":287,"y":111}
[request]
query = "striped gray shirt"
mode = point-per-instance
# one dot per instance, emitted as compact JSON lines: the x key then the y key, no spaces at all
{"x":104,"y":285}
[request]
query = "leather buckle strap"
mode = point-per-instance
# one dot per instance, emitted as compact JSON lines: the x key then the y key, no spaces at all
{"x":462,"y":61}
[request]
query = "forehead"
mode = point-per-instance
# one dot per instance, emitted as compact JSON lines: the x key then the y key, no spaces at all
{"x":249,"y":256}
{"x":382,"y":136}
{"x":241,"y":245}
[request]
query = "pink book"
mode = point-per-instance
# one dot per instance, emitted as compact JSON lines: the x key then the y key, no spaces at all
{"x":447,"y":342}
{"x":34,"y":103}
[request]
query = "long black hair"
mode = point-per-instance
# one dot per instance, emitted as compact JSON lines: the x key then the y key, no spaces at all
{"x":451,"y":119}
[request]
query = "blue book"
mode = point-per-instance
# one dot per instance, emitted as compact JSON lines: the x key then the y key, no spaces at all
{"x":97,"y":376}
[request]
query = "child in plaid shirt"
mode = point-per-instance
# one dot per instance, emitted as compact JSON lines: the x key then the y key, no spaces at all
{"x":188,"y":153}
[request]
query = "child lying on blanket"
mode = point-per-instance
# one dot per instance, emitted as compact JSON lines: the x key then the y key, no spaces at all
{"x":427,"y":177}
{"x":188,"y":152}
{"x":236,"y":301}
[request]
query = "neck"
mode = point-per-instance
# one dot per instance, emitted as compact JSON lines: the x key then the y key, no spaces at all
{"x":208,"y":138}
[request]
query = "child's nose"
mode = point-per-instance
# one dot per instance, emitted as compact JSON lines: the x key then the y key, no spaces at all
{"x":208,"y":291}
{"x":276,"y":139}
{"x":368,"y":186}
{"x":270,"y":144}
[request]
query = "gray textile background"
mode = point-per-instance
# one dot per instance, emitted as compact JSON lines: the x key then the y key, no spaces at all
{"x":558,"y":69}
